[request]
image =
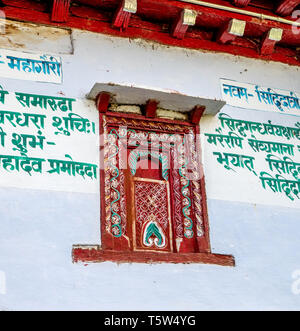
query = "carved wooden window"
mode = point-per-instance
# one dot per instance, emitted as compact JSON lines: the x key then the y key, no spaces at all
{"x":153,"y":202}
{"x":149,"y":204}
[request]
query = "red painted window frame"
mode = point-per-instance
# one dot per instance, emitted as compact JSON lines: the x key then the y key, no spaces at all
{"x":105,"y":252}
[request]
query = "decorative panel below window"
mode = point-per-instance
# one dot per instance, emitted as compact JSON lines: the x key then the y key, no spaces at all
{"x":152,"y":222}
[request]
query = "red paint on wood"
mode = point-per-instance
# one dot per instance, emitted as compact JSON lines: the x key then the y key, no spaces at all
{"x":224,"y":37}
{"x":106,"y":239}
{"x":242,"y":3}
{"x":286,"y":7}
{"x":29,"y":4}
{"x":118,"y":243}
{"x":179,"y":29}
{"x":121,"y":18}
{"x":119,"y":249}
{"x":151,"y":108}
{"x":60,"y":10}
{"x":91,"y":19}
{"x":102,"y":102}
{"x":204,"y":241}
{"x":97,"y":255}
{"x":267,"y":46}
{"x":196,"y":114}
{"x":154,"y":120}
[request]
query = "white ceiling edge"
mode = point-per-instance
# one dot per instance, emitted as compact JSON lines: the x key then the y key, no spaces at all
{"x":127,"y":95}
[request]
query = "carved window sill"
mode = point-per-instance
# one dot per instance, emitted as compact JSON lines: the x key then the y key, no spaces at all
{"x":94,"y":254}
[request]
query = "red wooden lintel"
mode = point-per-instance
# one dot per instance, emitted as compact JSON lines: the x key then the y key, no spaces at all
{"x":102,"y":102}
{"x":60,"y":11}
{"x":196,"y":114}
{"x":151,"y":108}
{"x":97,"y":255}
{"x":286,"y":7}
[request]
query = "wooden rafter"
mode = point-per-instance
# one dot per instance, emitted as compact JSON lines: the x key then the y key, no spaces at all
{"x":242,"y":3}
{"x":186,"y":18}
{"x":123,"y":14}
{"x":286,"y":7}
{"x":270,"y":40}
{"x":60,"y":10}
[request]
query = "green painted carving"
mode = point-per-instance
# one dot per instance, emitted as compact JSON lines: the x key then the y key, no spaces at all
{"x":115,"y":217}
{"x":188,"y":228}
{"x":152,"y":229}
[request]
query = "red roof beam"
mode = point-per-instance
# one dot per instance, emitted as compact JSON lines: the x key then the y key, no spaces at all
{"x":60,"y":11}
{"x":87,"y":18}
{"x":186,"y":18}
{"x":286,"y":7}
{"x":241,"y":3}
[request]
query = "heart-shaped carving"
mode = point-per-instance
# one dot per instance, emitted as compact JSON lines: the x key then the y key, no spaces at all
{"x":154,"y":235}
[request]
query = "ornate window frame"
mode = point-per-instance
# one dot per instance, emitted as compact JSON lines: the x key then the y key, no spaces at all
{"x":189,"y":218}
